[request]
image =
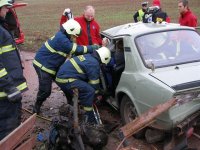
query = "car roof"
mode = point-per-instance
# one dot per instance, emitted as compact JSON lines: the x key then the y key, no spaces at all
{"x":140,"y":28}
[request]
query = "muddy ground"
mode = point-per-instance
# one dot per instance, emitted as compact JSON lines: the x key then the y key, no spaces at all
{"x":52,"y":104}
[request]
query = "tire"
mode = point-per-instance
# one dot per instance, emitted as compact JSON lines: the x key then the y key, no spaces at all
{"x":128,"y":113}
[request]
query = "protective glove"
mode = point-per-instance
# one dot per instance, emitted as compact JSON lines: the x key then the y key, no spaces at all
{"x":95,"y":47}
{"x":14,"y":95}
{"x":67,"y":12}
{"x":100,"y":97}
{"x":105,"y":41}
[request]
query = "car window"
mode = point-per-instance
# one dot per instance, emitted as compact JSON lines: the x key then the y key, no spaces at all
{"x":169,"y":48}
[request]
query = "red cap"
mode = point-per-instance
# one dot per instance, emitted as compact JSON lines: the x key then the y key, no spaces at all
{"x":156,"y":3}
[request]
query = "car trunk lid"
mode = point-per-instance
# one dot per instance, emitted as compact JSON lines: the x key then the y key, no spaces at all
{"x":180,"y":78}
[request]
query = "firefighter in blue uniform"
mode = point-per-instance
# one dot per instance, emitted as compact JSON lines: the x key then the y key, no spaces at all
{"x":52,"y":55}
{"x":12,"y":81}
{"x":83,"y":72}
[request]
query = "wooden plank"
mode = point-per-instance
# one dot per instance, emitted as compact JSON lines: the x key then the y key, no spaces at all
{"x":146,"y":118}
{"x":9,"y":142}
{"x":27,"y":145}
{"x":24,"y":137}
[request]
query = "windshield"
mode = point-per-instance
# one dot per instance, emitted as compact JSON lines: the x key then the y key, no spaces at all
{"x":169,"y":48}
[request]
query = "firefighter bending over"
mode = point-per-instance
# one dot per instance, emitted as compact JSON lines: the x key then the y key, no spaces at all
{"x":83,"y":72}
{"x":53,"y":54}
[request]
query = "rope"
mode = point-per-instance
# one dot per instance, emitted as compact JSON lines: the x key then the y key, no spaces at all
{"x":41,"y":117}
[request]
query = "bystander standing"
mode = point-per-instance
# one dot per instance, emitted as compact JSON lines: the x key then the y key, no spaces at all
{"x":187,"y":18}
{"x":140,"y":13}
{"x":90,"y":27}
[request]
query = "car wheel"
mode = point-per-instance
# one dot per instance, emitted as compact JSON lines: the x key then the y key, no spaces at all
{"x":128,"y":113}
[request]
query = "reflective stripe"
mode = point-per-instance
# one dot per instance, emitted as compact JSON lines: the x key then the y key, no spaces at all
{"x":13,"y":94}
{"x":7,"y":48}
{"x":73,"y":48}
{"x":3,"y":94}
{"x":52,"y":37}
{"x":85,"y":49}
{"x":78,"y":69}
{"x":22,"y":86}
{"x":97,"y":91}
{"x":44,"y":68}
{"x":53,"y":50}
{"x":19,"y":87}
{"x":88,"y":108}
{"x":3,"y":72}
{"x":94,"y":81}
{"x":65,"y":80}
{"x":141,"y":14}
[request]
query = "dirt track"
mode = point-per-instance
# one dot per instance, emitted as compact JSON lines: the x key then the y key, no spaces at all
{"x":50,"y":110}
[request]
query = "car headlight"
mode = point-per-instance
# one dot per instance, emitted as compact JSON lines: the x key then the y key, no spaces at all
{"x":185,"y":98}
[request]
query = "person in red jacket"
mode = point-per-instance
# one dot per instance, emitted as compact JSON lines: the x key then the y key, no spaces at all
{"x":187,"y":18}
{"x":90,"y":28}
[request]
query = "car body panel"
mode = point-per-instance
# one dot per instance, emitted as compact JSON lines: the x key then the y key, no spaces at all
{"x":187,"y":73}
{"x":149,"y":86}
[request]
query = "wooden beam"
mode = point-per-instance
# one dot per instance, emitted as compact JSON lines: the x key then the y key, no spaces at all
{"x":27,"y":145}
{"x":146,"y":118}
{"x":10,"y":141}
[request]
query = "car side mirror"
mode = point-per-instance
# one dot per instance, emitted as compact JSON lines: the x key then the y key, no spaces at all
{"x":150,"y":65}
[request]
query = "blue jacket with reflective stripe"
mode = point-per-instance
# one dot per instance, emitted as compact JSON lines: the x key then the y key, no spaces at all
{"x":10,"y":63}
{"x":59,"y":46}
{"x":87,"y":63}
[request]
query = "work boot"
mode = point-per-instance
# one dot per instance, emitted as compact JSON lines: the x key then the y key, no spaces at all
{"x":36,"y":107}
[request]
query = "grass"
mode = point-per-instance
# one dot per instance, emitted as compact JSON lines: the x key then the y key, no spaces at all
{"x":40,"y":18}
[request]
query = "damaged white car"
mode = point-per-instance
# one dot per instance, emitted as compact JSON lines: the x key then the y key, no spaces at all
{"x":161,"y":62}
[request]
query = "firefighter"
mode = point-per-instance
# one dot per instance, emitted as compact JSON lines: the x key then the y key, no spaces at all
{"x":12,"y":81}
{"x":52,"y":55}
{"x":138,"y":16}
{"x":83,"y":72}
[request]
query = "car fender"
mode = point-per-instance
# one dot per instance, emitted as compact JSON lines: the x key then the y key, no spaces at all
{"x":121,"y":92}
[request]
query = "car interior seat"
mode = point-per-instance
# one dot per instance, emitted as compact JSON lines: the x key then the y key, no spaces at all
{"x":119,"y":63}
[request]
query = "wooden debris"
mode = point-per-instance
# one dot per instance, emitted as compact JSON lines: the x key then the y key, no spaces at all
{"x":18,"y":135}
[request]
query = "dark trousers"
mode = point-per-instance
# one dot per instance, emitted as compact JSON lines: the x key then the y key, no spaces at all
{"x":86,"y":91}
{"x":45,"y":84}
{"x":10,"y":117}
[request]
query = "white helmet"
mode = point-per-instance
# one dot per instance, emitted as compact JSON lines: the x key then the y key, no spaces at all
{"x":5,"y":3}
{"x":104,"y":54}
{"x":72,"y":27}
